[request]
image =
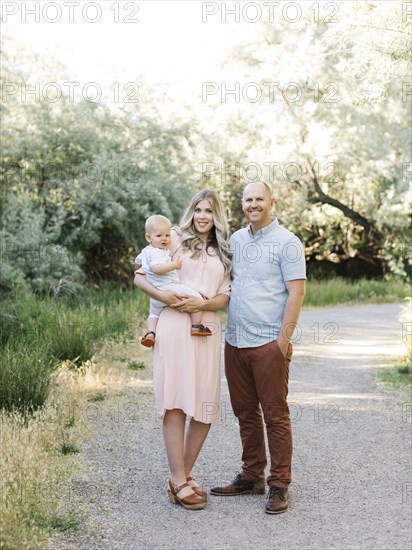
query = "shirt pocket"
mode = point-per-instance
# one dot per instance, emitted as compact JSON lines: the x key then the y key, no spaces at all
{"x":262,"y":270}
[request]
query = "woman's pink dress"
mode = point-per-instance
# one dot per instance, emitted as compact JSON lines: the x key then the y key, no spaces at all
{"x":186,"y":369}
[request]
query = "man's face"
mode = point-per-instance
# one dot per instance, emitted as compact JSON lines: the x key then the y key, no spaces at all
{"x":257,"y":204}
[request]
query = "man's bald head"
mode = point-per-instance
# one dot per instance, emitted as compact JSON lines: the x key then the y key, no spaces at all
{"x":258,"y":186}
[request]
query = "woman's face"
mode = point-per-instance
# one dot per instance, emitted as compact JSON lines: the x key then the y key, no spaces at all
{"x":203,"y":218}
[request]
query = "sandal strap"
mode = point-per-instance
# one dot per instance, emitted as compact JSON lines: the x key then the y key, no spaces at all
{"x":177,"y":489}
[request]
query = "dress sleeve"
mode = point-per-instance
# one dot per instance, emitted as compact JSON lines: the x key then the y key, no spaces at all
{"x":225,"y":286}
{"x":175,"y":241}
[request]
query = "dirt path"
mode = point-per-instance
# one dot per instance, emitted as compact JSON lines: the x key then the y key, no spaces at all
{"x":351,"y":465}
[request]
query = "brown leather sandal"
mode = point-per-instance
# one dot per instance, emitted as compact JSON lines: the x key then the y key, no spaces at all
{"x":147,"y":340}
{"x":200,"y":330}
{"x":196,"y":488}
{"x":191,"y":502}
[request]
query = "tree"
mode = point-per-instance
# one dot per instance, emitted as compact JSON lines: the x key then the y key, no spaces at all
{"x":332,"y":139}
{"x":79,"y":179}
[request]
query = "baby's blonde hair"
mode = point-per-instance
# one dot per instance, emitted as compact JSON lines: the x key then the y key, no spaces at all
{"x":153,"y":221}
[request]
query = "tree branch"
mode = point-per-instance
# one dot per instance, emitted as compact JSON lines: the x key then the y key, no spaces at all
{"x":347,"y":211}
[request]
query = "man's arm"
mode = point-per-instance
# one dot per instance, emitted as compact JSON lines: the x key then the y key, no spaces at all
{"x":296,"y":291}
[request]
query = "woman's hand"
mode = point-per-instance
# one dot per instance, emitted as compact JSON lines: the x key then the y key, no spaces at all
{"x":169,"y":298}
{"x":188,"y":304}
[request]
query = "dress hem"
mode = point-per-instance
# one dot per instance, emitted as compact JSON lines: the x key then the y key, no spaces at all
{"x":189,"y":417}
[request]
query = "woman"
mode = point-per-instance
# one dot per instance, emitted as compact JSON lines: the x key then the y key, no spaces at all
{"x":186,"y":370}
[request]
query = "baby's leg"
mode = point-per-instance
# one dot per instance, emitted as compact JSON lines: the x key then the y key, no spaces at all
{"x":152,"y":324}
{"x":196,"y":318}
{"x":197,"y":329}
{"x":149,"y":338}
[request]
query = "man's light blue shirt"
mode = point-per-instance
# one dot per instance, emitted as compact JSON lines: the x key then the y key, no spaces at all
{"x":261,"y":264}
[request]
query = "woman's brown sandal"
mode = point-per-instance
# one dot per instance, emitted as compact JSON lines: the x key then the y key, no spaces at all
{"x":196,"y":488}
{"x":148,"y":340}
{"x":200,"y":330}
{"x":191,"y":502}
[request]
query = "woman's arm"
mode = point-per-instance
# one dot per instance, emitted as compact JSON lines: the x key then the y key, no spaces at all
{"x":191,"y":304}
{"x":165,"y":296}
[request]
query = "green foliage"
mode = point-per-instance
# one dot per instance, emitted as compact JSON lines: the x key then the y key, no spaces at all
{"x":99,"y":396}
{"x":67,"y":448}
{"x":25,"y":375}
{"x":342,"y":291}
{"x":70,"y":340}
{"x":38,"y":332}
{"x":136,"y":365}
{"x":30,"y":246}
{"x":69,"y":521}
{"x":334,"y":152}
{"x":399,"y":376}
{"x":79,"y":185}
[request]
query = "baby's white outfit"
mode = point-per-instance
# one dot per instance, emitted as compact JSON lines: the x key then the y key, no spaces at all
{"x":151,"y":256}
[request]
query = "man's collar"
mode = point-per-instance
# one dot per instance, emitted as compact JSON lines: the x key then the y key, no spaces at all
{"x":265,"y":230}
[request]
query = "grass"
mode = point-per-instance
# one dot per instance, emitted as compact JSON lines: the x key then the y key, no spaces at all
{"x":39,"y":434}
{"x":136,"y":365}
{"x":99,"y":396}
{"x":59,"y":522}
{"x":342,"y":291}
{"x":400,"y":375}
{"x":34,"y":473}
{"x":67,"y":448}
{"x":39,"y":332}
{"x":397,"y":377}
{"x":26,"y":372}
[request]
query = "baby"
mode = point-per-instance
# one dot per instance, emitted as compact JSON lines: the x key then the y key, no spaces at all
{"x":163,"y":274}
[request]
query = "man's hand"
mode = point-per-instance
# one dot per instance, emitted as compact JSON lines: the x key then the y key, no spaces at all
{"x":283,"y":344}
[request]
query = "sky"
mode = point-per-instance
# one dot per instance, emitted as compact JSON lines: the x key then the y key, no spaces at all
{"x":166,"y":41}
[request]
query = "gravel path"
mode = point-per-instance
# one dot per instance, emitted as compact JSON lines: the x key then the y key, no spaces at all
{"x":351,"y":464}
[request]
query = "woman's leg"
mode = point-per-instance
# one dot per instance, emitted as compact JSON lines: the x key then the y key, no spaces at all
{"x":173,"y":434}
{"x":195,"y":437}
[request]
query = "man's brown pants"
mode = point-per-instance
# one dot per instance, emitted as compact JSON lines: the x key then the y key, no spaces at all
{"x":260,"y":376}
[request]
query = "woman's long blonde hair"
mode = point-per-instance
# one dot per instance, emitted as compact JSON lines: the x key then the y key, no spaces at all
{"x":219,"y":235}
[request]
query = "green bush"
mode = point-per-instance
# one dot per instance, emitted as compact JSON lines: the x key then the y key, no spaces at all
{"x":37,"y":332}
{"x":25,"y":375}
{"x":70,"y":340}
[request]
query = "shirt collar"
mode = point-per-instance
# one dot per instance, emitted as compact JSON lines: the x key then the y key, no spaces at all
{"x":265,"y":230}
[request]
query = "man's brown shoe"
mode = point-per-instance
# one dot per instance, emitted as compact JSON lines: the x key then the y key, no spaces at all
{"x":277,"y":501}
{"x":240,"y":486}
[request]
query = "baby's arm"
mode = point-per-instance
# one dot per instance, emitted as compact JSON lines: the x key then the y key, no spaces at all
{"x":162,"y":269}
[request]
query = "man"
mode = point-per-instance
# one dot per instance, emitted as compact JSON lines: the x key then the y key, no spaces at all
{"x":268,"y":287}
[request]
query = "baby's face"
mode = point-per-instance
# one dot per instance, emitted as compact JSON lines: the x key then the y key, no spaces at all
{"x":160,"y":237}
